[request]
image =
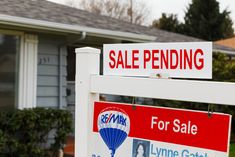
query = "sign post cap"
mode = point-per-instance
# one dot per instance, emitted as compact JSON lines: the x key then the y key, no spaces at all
{"x":87,"y":50}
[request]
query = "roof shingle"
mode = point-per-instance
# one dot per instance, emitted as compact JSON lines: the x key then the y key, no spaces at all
{"x":53,"y":12}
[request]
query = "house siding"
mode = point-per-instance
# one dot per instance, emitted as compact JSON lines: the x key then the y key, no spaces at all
{"x":48,"y":82}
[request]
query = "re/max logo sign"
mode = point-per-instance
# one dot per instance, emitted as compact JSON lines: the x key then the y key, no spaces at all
{"x":113,"y":118}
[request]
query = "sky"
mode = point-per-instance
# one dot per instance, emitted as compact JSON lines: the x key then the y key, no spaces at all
{"x":157,"y":7}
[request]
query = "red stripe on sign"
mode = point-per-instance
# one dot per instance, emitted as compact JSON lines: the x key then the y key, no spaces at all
{"x":109,"y":118}
{"x":185,"y":127}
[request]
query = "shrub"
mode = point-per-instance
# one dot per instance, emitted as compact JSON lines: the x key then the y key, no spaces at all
{"x":37,"y":132}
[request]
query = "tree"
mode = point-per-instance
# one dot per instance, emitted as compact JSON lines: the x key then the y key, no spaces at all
{"x":204,"y":20}
{"x":131,"y":11}
{"x":223,"y":68}
{"x":168,"y":22}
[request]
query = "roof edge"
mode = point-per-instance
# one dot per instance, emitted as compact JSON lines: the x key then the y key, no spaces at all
{"x":224,"y":51}
{"x":76,"y":29}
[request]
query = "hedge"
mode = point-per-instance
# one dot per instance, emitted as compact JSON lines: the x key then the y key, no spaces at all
{"x":37,"y":132}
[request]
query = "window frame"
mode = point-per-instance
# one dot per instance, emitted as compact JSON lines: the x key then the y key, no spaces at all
{"x":20,"y":35}
{"x":26,"y":96}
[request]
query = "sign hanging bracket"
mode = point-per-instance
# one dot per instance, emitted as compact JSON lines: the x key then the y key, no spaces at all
{"x":210,"y":110}
{"x":133,"y":103}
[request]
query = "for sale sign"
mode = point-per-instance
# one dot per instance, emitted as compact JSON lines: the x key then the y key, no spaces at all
{"x":121,"y":130}
{"x":180,"y":60}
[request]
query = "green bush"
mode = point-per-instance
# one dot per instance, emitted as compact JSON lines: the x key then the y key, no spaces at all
{"x":37,"y":132}
{"x":232,"y":150}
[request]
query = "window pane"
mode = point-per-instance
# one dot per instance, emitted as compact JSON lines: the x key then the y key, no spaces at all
{"x":9,"y":47}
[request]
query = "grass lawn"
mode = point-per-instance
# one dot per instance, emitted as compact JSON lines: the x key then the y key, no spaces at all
{"x":232,"y":150}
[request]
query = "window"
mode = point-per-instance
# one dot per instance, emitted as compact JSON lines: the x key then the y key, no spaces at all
{"x":9,"y":67}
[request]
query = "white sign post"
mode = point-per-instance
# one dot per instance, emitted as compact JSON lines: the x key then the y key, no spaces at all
{"x":178,"y":60}
{"x":89,"y":84}
{"x":87,"y":63}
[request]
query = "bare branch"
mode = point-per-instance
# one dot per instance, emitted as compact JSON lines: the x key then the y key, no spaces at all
{"x":120,"y":9}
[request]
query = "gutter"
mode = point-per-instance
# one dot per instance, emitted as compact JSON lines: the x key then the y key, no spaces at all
{"x":60,"y":77}
{"x":60,"y":60}
{"x":75,"y":29}
{"x":225,"y":51}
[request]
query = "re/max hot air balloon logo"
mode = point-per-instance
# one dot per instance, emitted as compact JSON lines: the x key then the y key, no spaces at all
{"x":114,"y":127}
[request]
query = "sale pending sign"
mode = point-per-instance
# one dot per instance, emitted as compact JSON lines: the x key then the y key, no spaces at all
{"x":121,"y":130}
{"x":179,"y":60}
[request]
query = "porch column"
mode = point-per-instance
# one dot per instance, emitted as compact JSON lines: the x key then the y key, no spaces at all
{"x":28,"y":72}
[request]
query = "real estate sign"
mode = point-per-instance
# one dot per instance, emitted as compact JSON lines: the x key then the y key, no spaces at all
{"x":179,"y":60}
{"x":121,"y":130}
